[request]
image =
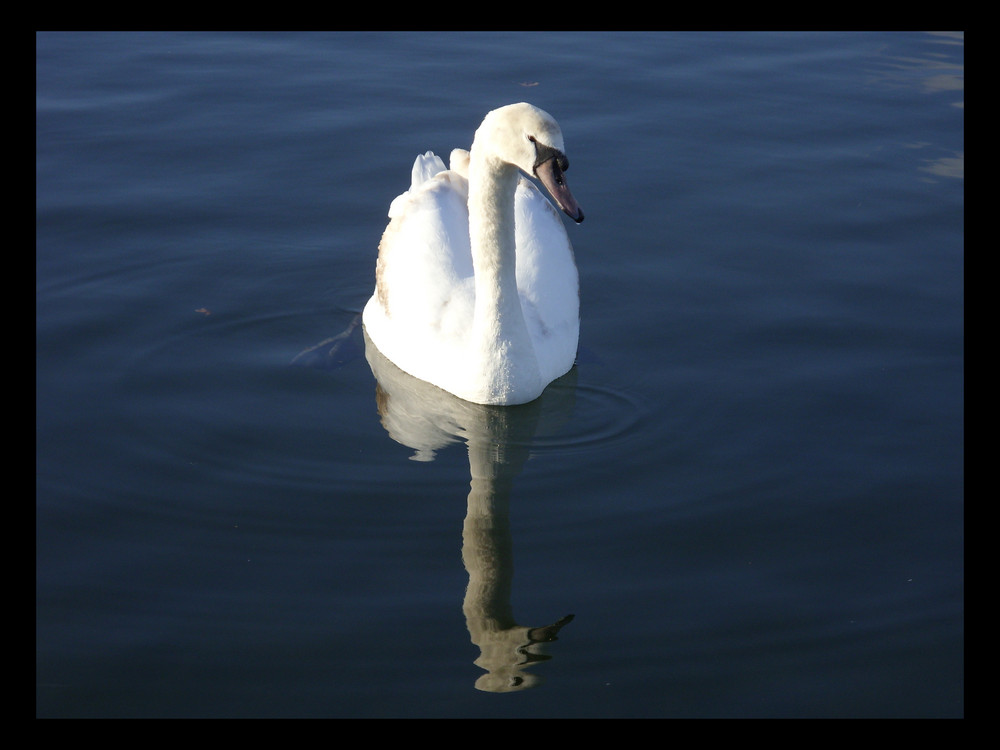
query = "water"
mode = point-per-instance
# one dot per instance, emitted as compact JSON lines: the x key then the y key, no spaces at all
{"x":749,"y":493}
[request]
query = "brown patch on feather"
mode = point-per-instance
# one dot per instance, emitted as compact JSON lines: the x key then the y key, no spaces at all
{"x":381,"y":286}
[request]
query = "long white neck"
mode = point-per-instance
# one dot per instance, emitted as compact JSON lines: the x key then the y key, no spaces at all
{"x":501,"y":341}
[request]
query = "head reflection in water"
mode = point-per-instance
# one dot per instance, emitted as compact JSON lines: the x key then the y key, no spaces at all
{"x":427,"y":419}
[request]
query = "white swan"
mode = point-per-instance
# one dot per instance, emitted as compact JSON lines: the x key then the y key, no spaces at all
{"x":476,"y":287}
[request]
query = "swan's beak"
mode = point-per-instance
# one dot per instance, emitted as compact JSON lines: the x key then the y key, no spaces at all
{"x":551,"y":175}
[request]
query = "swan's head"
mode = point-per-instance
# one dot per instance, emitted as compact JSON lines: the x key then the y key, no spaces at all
{"x":529,"y":138}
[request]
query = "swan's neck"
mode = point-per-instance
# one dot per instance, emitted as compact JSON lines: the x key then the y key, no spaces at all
{"x":500,"y":334}
{"x":491,"y":231}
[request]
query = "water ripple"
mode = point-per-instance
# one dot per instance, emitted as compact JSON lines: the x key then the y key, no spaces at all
{"x":602,"y":416}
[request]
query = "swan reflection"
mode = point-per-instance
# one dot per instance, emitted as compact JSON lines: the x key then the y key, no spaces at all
{"x":499,"y":439}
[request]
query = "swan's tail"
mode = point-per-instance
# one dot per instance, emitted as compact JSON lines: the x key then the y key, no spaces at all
{"x":424,"y":168}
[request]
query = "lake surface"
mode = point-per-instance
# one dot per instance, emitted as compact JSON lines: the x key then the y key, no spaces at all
{"x":749,"y":493}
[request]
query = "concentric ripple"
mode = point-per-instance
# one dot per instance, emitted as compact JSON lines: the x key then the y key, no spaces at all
{"x":602,"y":416}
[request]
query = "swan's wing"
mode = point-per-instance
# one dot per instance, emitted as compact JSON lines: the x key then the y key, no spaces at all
{"x":547,"y":279}
{"x":423,"y":304}
{"x":546,"y":267}
{"x":425,"y":256}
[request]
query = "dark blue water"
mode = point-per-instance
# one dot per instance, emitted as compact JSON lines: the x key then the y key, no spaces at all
{"x":749,"y":493}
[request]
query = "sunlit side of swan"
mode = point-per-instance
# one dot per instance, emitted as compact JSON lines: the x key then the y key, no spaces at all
{"x":477,"y":290}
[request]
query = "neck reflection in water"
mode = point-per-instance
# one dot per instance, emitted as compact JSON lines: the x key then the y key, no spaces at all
{"x":426,"y":419}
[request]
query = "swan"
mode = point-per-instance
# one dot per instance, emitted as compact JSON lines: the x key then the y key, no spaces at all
{"x":476,"y":286}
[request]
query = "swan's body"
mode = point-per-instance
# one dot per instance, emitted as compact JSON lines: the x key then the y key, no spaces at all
{"x":476,"y":286}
